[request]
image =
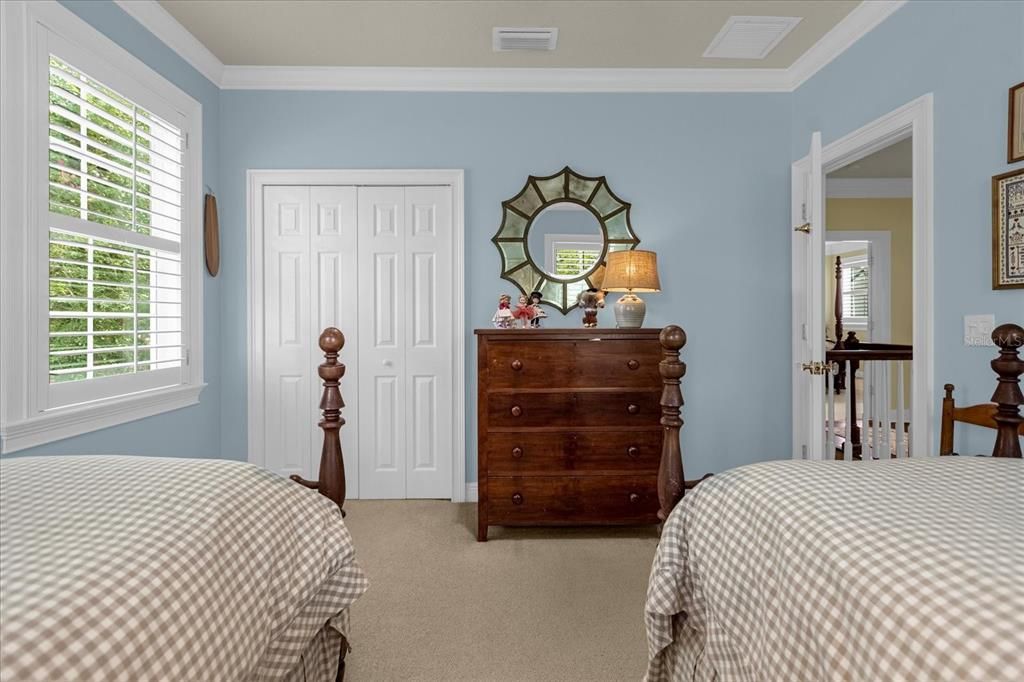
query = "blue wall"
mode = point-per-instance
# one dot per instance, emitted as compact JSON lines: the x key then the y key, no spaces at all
{"x":967,"y":54}
{"x":707,"y":174}
{"x":193,"y":431}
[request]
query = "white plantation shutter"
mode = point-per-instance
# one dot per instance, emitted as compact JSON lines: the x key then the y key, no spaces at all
{"x":572,"y":262}
{"x":115,"y":197}
{"x":856,"y":281}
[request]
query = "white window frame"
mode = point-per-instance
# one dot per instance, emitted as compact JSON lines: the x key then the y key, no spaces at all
{"x":30,"y":31}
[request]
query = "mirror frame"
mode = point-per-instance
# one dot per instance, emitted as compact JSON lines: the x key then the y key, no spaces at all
{"x":539,"y":193}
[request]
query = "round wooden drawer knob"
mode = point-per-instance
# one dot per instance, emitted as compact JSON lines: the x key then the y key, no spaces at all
{"x":633,"y":451}
{"x":517,"y":365}
{"x":633,"y":409}
{"x":516,"y":411}
{"x":634,"y":498}
{"x":517,"y":452}
{"x":633,"y":364}
{"x":517,"y":498}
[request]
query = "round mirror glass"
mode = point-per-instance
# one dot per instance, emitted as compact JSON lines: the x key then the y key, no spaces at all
{"x":565,"y":240}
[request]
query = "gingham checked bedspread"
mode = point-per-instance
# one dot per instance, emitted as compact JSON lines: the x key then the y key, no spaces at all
{"x":123,"y":568}
{"x":908,"y":569}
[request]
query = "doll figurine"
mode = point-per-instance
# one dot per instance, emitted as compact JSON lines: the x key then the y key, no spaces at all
{"x":523,"y":312}
{"x":538,"y":311}
{"x":590,"y":300}
{"x":503,"y":317}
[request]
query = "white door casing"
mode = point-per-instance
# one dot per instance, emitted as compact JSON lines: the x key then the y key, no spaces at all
{"x":915,"y":120}
{"x":808,"y":333}
{"x":404,"y":326}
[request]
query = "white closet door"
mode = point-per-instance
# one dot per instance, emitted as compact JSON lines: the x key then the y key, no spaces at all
{"x":288,"y":374}
{"x":333,"y":261}
{"x":383,"y":310}
{"x":428,"y":354}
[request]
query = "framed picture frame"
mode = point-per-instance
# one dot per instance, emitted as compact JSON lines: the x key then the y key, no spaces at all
{"x":1008,"y":230}
{"x":1015,"y":125}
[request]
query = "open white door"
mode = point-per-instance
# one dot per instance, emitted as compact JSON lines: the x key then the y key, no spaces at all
{"x":808,"y":331}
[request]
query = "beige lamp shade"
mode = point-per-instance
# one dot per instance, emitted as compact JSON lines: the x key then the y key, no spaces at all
{"x":631,"y":271}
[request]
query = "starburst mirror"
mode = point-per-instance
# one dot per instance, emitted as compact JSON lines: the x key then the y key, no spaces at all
{"x":556,"y":233}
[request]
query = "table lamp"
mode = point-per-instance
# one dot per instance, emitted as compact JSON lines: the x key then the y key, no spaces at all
{"x":631,"y":271}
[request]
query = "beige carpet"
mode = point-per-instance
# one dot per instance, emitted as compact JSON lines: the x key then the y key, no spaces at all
{"x":530,"y":604}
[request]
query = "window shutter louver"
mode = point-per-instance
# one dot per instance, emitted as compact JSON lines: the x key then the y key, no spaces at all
{"x":115,"y":228}
{"x":572,"y":262}
{"x":856,"y":289}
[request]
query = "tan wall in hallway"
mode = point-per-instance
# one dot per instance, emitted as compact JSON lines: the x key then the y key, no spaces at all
{"x":896,"y":217}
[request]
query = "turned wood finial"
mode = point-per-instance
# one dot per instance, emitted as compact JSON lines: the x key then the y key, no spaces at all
{"x":1008,"y":396}
{"x":671,"y":483}
{"x":331,"y":482}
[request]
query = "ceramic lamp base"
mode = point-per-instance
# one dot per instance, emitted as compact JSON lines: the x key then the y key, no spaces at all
{"x":630,"y":312}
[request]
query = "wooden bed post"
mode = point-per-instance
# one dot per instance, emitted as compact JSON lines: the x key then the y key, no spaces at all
{"x":670,"y":473}
{"x":1008,"y":396}
{"x":331,"y":481}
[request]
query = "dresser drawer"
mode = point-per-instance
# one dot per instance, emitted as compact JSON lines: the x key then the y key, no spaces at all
{"x":573,"y":408}
{"x":618,"y":363}
{"x":559,"y":452}
{"x":568,"y":500}
{"x":539,"y":364}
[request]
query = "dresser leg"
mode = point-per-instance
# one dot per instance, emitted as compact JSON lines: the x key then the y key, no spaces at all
{"x":481,"y":528}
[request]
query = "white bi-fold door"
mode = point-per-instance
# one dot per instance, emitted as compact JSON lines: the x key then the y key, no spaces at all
{"x":376,"y":262}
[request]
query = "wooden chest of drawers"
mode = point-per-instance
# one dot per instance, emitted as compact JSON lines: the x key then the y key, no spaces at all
{"x":568,"y":426}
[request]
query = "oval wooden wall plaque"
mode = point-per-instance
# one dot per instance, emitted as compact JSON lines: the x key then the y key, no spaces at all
{"x":211,"y":235}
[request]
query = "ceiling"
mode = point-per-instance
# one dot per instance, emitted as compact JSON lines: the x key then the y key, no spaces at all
{"x":445,"y":33}
{"x":894,"y":161}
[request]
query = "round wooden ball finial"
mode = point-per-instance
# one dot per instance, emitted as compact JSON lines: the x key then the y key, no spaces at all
{"x":672,"y":337}
{"x":331,"y":340}
{"x":1008,"y":336}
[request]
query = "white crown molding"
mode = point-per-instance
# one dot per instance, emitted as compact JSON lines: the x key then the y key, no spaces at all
{"x":160,"y":23}
{"x":425,"y":79}
{"x":855,"y":25}
{"x":869,"y":188}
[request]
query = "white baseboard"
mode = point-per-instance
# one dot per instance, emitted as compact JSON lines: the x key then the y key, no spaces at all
{"x":471,"y":492}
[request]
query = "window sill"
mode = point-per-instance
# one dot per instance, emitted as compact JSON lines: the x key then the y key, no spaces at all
{"x":66,"y":422}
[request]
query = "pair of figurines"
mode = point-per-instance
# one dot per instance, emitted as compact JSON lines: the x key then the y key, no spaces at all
{"x":526,"y":314}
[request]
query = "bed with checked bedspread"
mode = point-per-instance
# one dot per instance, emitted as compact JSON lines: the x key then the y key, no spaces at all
{"x":909,"y":569}
{"x":139,"y":568}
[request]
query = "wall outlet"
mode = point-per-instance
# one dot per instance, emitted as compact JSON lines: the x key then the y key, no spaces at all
{"x":978,"y":330}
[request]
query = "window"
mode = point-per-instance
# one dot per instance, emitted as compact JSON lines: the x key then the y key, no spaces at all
{"x":856,"y":283}
{"x":110,"y":306}
{"x":571,"y":255}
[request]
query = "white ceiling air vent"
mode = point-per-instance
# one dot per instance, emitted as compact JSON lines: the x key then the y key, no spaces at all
{"x":506,"y":39}
{"x":750,"y":37}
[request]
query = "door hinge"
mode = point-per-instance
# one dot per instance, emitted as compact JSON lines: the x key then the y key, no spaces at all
{"x":188,"y":357}
{"x":803,"y":331}
{"x":803,"y":451}
{"x":803,"y":211}
{"x":186,"y":140}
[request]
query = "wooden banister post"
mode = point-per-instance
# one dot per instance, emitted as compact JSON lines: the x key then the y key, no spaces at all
{"x":331,"y":481}
{"x":671,"y":483}
{"x":1008,"y":396}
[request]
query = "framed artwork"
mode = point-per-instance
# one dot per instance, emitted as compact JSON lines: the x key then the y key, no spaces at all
{"x":1015,"y":135}
{"x":1008,"y":230}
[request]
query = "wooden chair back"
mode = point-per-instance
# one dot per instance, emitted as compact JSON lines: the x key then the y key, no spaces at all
{"x":1003,"y":413}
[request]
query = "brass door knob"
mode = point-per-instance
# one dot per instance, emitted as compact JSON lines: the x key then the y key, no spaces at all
{"x":633,"y":451}
{"x":517,"y":452}
{"x":517,"y":498}
{"x":634,"y":498}
{"x":516,"y":411}
{"x":633,"y":408}
{"x":633,"y":364}
{"x":517,"y":365}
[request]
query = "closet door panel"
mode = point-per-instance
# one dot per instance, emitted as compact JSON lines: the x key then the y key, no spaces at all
{"x":428,"y":342}
{"x":383,"y":307}
{"x":334,"y":264}
{"x":289,"y":375}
